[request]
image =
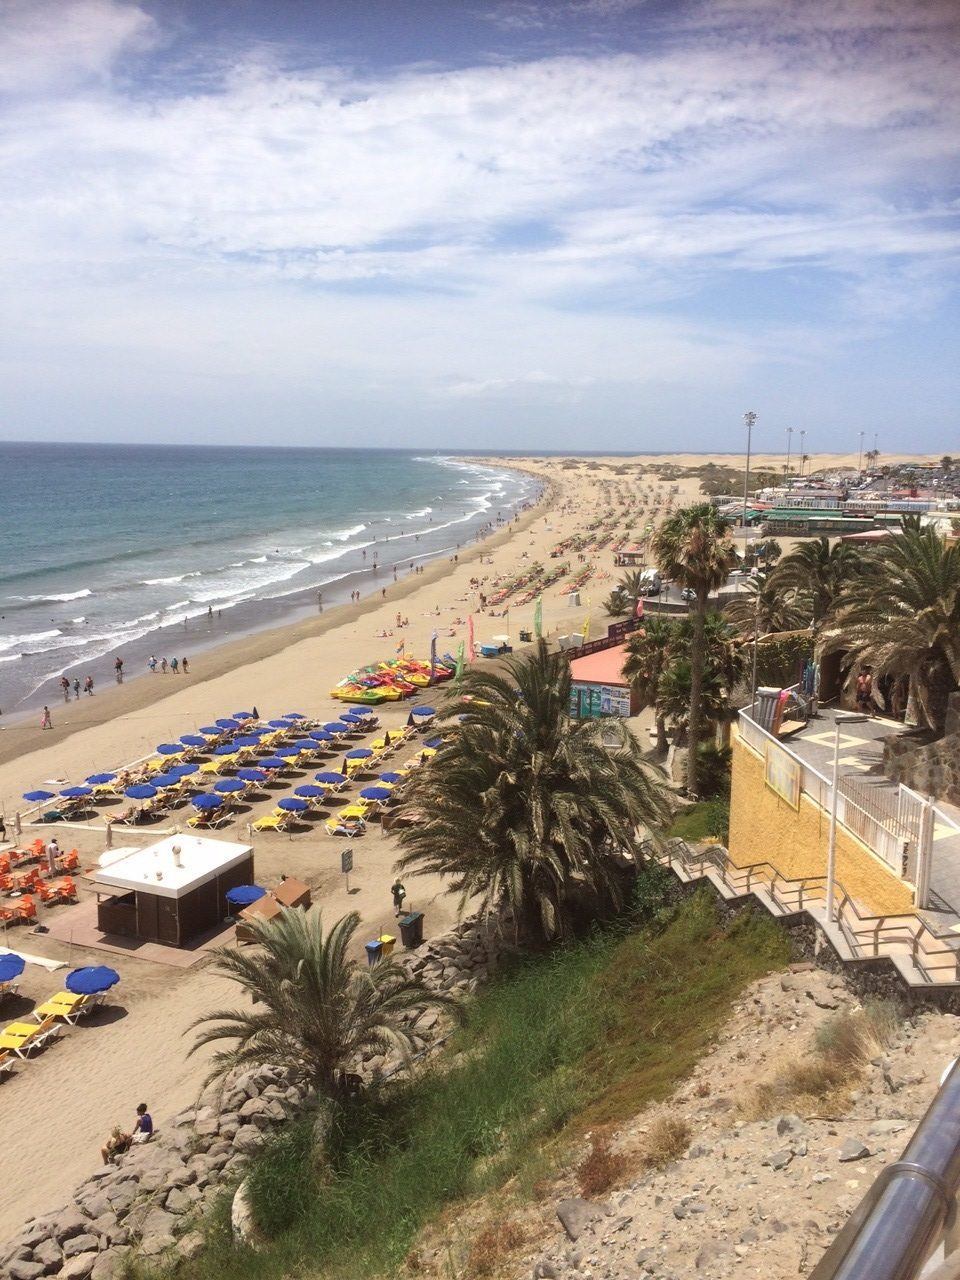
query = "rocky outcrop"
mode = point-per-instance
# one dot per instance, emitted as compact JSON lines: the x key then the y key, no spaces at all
{"x":930,"y":767}
{"x":153,"y":1198}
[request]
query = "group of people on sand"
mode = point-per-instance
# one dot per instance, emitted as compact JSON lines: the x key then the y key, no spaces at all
{"x":120,"y":1141}
{"x":176,"y":665}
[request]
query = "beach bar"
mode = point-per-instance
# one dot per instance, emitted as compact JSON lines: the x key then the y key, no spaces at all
{"x":598,"y":686}
{"x":171,"y":891}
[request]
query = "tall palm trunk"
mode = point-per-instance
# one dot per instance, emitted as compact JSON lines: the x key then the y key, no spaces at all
{"x":698,"y":656}
{"x":663,"y":745}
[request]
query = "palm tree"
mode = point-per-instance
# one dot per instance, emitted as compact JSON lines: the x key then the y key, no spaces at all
{"x":314,"y":1010}
{"x":762,"y":607}
{"x":817,"y":572}
{"x":946,"y":464}
{"x":617,"y":603}
{"x":693,"y":549}
{"x":673,"y":702}
{"x":901,"y":616}
{"x":648,"y":655}
{"x":523,"y":806}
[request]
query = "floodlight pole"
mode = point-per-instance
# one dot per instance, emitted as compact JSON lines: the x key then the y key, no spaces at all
{"x":786,"y":470}
{"x":749,"y":418}
{"x":803,"y":454}
{"x":860,"y":456}
{"x":850,"y":718}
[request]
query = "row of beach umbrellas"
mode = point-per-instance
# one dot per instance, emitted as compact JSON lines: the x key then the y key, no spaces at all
{"x":88,"y":981}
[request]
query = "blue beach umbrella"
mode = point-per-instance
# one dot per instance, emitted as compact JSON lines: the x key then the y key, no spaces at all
{"x":287,"y":752}
{"x":424,"y":711}
{"x":169,"y":748}
{"x":292,"y":804}
{"x":76,"y":793}
{"x":166,"y":780}
{"x":182,"y":770}
{"x":359,"y":753}
{"x":391,"y":777}
{"x":11,"y":966}
{"x":321,"y":735}
{"x":226,"y":785}
{"x":243,"y":715}
{"x":211,"y":730}
{"x":38,"y":797}
{"x":351,"y":717}
{"x":242,"y":895}
{"x":251,"y":775}
{"x":330,"y":777}
{"x":363,"y":712}
{"x":206,"y":801}
{"x":247,"y":740}
{"x":193,"y":740}
{"x":306,"y":744}
{"x":309,"y":791}
{"x":334,"y":726}
{"x":226,"y":723}
{"x":278,"y":724}
{"x":294,"y":715}
{"x":141,"y":791}
{"x":225,"y":749}
{"x":434,"y":742}
{"x":375,"y":793}
{"x":100,"y":779}
{"x":91,"y":980}
{"x":273,"y":762}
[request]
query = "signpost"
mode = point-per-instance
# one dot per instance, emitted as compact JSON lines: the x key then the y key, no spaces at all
{"x":346,"y":865}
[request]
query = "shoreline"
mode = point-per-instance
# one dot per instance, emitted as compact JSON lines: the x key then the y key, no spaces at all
{"x":21,"y":735}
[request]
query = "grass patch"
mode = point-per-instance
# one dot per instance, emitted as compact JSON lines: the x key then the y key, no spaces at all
{"x":666,"y":1140}
{"x":841,"y":1048}
{"x":578,"y":1038}
{"x":601,"y":1168}
{"x":705,"y":820}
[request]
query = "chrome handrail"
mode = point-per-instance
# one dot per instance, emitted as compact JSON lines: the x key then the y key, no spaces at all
{"x":896,"y":1225}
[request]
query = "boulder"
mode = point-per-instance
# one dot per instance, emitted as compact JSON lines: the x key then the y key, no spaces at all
{"x":576,"y":1214}
{"x":79,"y":1266}
{"x":854,"y":1149}
{"x":87,"y":1242}
{"x":190,"y":1245}
{"x":182,"y":1199}
{"x":248,"y":1139}
{"x":20,"y":1269}
{"x":49,"y":1253}
{"x":69,"y":1223}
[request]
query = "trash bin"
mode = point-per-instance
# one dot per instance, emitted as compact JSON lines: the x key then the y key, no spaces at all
{"x":411,"y":929}
{"x":373,"y":950}
{"x":387,"y":943}
{"x":525,"y":636}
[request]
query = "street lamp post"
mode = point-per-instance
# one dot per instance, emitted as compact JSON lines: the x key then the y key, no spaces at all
{"x":850,"y":717}
{"x":786,"y":470}
{"x":803,"y":452}
{"x":749,"y":418}
{"x":860,"y":457}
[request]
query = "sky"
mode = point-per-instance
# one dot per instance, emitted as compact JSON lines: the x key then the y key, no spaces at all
{"x":596,"y":224}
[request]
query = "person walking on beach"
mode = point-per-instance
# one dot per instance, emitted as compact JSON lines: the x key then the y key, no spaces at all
{"x":88,"y":686}
{"x":76,"y":688}
{"x":399,"y":893}
{"x":184,"y":667}
{"x":163,"y":666}
{"x":118,"y":668}
{"x":46,"y":720}
{"x":53,"y":853}
{"x":175,"y":666}
{"x":65,"y":686}
{"x":152,"y":664}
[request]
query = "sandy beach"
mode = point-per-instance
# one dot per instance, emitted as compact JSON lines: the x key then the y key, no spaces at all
{"x":58,"y":1108}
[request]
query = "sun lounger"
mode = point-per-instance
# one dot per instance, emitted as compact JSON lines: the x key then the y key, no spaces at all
{"x":279,"y":820}
{"x":6,"y":1065}
{"x":23,"y":1038}
{"x":208,"y":818}
{"x":68,"y":1006}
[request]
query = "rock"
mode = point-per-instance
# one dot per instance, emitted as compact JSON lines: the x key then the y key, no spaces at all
{"x":19,"y":1269}
{"x":190,"y":1245}
{"x":790,"y":1124}
{"x":155,"y":1243}
{"x":94,"y":1205}
{"x":78,"y":1267}
{"x":182,"y":1199}
{"x":49,"y":1253}
{"x":576,"y":1214}
{"x":545,"y":1270}
{"x":71,"y":1222}
{"x":109,"y":1266}
{"x":854,"y":1149}
{"x":248,"y":1139}
{"x":779,"y":1159}
{"x":252,"y":1107}
{"x":85,"y":1243}
{"x":158,"y":1222}
{"x":710,"y":1253}
{"x":882,"y":1127}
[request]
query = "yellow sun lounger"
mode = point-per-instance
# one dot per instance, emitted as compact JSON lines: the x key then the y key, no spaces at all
{"x":279,"y":820}
{"x":68,"y":1006}
{"x":23,"y":1037}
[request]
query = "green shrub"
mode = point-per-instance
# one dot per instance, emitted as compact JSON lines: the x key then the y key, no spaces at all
{"x":713,"y":771}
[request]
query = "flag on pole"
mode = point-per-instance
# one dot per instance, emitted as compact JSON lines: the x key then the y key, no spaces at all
{"x":433,"y":657}
{"x":586,"y":622}
{"x":471,"y":651}
{"x":538,"y":617}
{"x":460,"y":662}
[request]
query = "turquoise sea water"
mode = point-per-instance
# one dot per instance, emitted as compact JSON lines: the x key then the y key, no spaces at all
{"x":125,"y":549}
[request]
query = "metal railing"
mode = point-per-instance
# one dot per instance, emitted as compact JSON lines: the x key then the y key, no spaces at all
{"x":934,"y":957}
{"x":894,"y":1229}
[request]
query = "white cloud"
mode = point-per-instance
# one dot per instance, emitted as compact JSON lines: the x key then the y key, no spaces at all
{"x":533,"y":213}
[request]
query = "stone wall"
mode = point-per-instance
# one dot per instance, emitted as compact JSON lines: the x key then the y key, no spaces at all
{"x":930,"y":767}
{"x":763,"y":827}
{"x":155,"y":1197}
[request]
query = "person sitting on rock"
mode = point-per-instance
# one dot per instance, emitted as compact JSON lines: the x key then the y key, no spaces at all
{"x":118,"y":1142}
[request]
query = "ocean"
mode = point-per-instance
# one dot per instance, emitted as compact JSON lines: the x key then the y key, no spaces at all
{"x":133,"y":550}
